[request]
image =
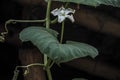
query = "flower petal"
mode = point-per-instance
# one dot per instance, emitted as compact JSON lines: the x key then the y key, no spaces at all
{"x":71,"y":18}
{"x":61,"y":18}
{"x":69,"y":10}
{"x":62,"y":8}
{"x":55,"y":12}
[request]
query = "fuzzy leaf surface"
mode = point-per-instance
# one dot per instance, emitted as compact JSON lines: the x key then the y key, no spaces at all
{"x":115,"y":3}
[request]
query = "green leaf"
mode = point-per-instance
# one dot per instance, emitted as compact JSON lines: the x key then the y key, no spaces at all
{"x":115,"y":3}
{"x":47,"y":43}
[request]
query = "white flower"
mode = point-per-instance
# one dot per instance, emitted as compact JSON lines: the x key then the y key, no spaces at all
{"x":63,"y":13}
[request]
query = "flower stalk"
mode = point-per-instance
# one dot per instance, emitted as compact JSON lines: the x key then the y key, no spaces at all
{"x":62,"y":32}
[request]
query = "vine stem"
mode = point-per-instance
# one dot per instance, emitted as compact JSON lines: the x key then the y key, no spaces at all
{"x":49,"y":73}
{"x":16,"y":71}
{"x":34,"y":64}
{"x":62,"y":32}
{"x":48,"y":14}
{"x":48,"y":61}
{"x":54,"y":21}
{"x":14,"y":21}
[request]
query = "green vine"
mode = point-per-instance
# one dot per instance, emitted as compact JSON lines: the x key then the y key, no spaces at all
{"x":62,"y":32}
{"x":16,"y":71}
{"x":54,"y":21}
{"x":48,"y":14}
{"x":48,"y":63}
{"x":2,"y":37}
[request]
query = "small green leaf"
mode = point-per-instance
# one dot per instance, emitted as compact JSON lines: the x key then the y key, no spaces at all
{"x":47,"y":43}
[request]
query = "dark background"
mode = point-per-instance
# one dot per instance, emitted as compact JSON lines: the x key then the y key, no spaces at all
{"x":108,"y":46}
